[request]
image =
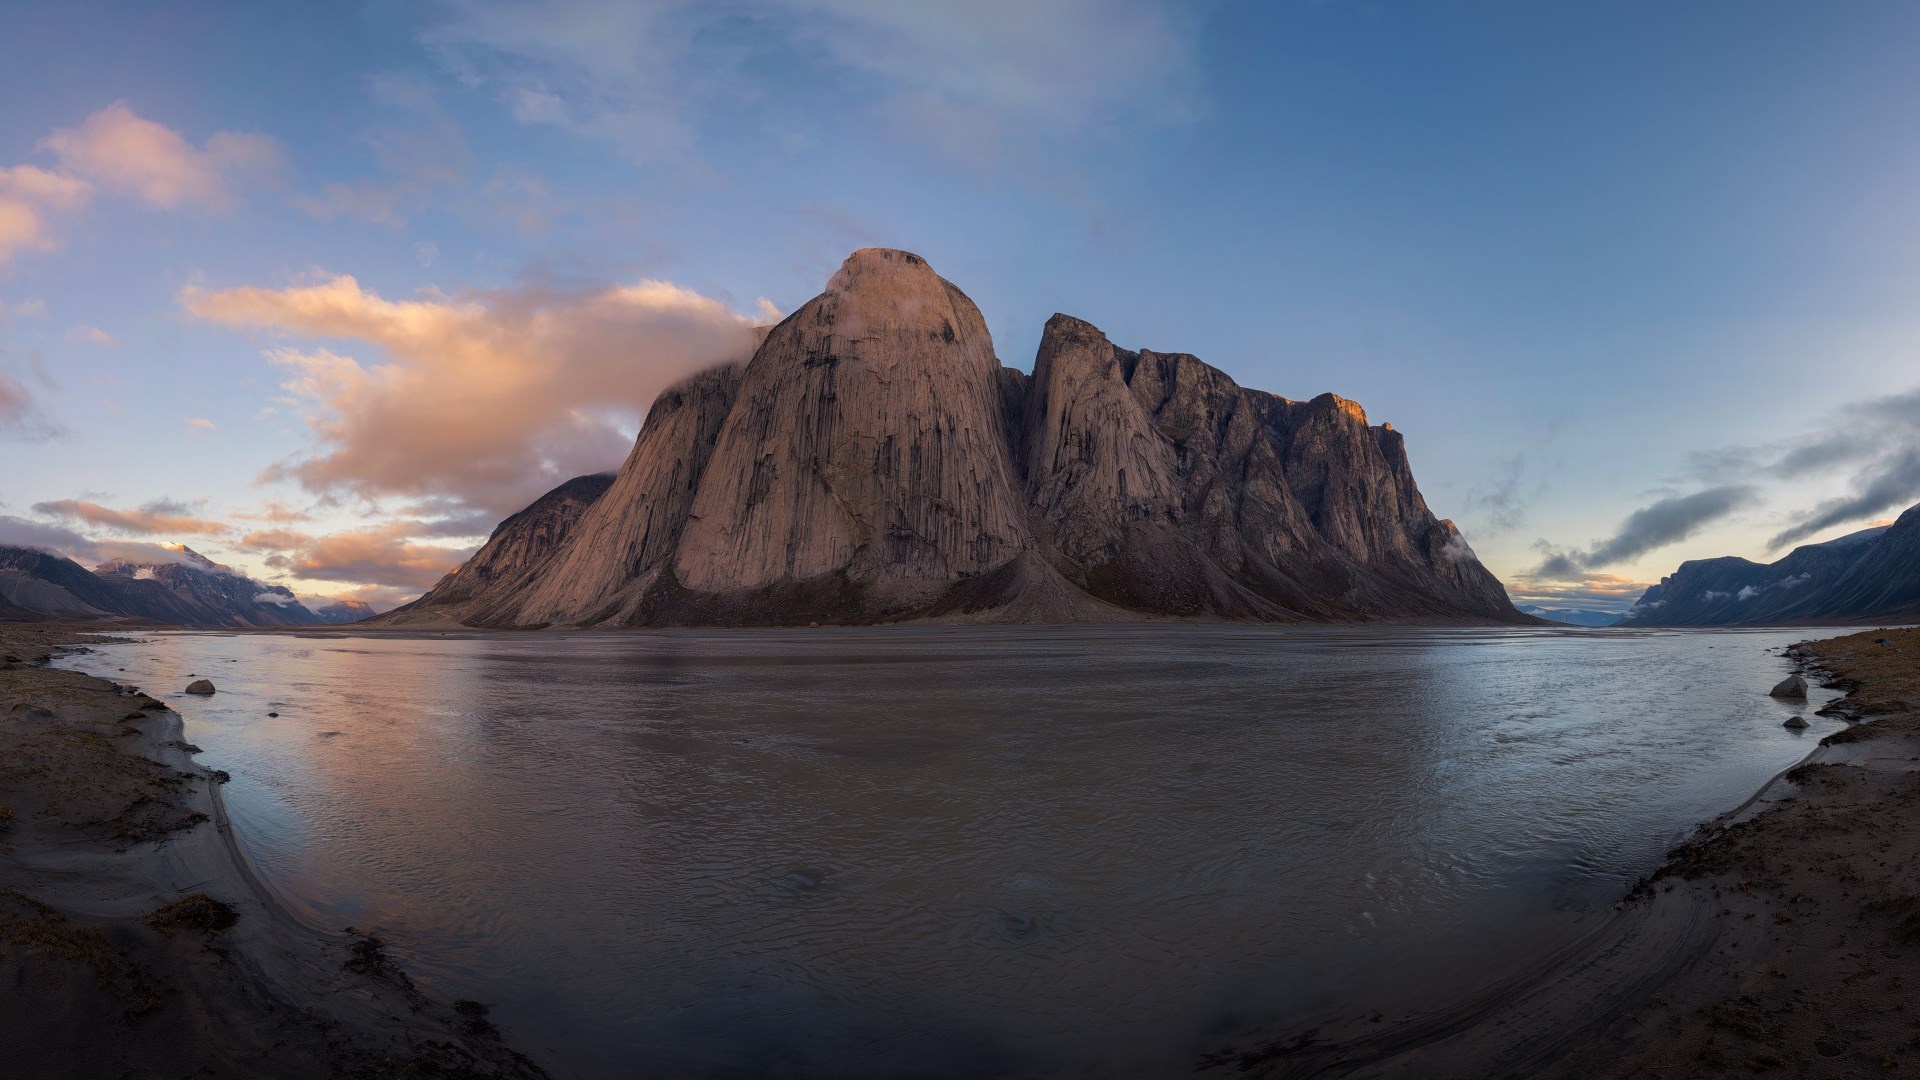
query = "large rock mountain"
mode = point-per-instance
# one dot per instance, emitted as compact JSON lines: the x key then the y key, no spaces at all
{"x":874,"y":462}
{"x":1869,"y":576}
{"x":190,"y":591}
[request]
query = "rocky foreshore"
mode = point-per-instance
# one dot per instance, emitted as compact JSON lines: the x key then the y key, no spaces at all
{"x":1779,"y":941}
{"x":134,"y":939}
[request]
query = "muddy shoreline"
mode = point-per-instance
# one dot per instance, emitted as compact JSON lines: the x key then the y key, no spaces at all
{"x":1781,"y":939}
{"x":134,"y":937}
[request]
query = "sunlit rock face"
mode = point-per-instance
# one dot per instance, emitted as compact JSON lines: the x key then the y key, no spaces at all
{"x":626,"y":542}
{"x":873,"y":462}
{"x":866,"y":444}
{"x":1160,"y":485}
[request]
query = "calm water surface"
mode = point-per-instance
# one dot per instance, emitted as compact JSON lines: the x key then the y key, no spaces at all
{"x":965,"y":852}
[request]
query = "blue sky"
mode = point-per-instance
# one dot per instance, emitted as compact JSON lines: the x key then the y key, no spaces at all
{"x":1637,"y":280}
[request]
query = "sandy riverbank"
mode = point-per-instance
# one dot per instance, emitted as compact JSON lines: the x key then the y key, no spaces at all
{"x":134,"y":939}
{"x":1782,"y":940}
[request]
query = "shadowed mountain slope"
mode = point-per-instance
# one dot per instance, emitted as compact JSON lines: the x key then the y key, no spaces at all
{"x":1868,"y":576}
{"x":193,"y":591}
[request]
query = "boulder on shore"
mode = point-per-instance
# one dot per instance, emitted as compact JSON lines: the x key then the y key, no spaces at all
{"x":1793,"y":686}
{"x":200,"y":686}
{"x":1796,"y":723}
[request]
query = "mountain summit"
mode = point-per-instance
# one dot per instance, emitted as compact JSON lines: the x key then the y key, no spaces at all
{"x":874,"y":462}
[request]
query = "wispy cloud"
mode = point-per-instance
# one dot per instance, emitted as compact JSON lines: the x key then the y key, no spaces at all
{"x":1880,"y":440}
{"x":28,"y":196}
{"x":157,"y":518}
{"x":119,"y":152}
{"x":387,"y":555}
{"x":489,"y":398}
{"x":1651,"y":527}
{"x":93,"y":335}
{"x":967,"y":79}
{"x":22,"y":418}
{"x":275,"y":512}
{"x":1499,"y":505}
{"x":418,"y":149}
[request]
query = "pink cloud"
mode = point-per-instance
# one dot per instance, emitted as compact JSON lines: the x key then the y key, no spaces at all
{"x":27,"y":194}
{"x":381,"y":557}
{"x":93,"y":335}
{"x":161,"y":516}
{"x":116,"y":151}
{"x":488,"y":398}
{"x":129,"y":155}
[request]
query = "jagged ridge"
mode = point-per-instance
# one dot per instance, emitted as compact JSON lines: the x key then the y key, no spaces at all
{"x":875,"y":462}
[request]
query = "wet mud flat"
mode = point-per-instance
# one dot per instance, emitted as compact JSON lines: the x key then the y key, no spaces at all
{"x":134,"y":939}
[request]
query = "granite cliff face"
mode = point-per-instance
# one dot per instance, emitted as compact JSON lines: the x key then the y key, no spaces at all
{"x":874,"y":462}
{"x":1869,"y":576}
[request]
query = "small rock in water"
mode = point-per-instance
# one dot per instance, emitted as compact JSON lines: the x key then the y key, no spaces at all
{"x":1793,"y":686}
{"x":202,"y":686}
{"x":1796,"y":722}
{"x":273,"y":714}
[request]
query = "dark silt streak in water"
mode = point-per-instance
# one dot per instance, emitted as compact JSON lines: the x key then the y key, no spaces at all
{"x":962,"y":852}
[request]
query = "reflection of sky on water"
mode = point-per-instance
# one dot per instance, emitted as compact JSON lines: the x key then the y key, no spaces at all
{"x":868,"y":850}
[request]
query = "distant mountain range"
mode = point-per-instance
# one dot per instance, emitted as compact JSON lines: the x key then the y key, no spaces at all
{"x":875,"y":462}
{"x":342,"y":612}
{"x":1870,"y":576}
{"x":190,"y":591}
{"x":1574,"y":616}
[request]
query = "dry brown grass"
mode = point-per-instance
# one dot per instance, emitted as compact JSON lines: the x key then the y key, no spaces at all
{"x":28,"y":926}
{"x":197,"y":911}
{"x":1880,"y":668}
